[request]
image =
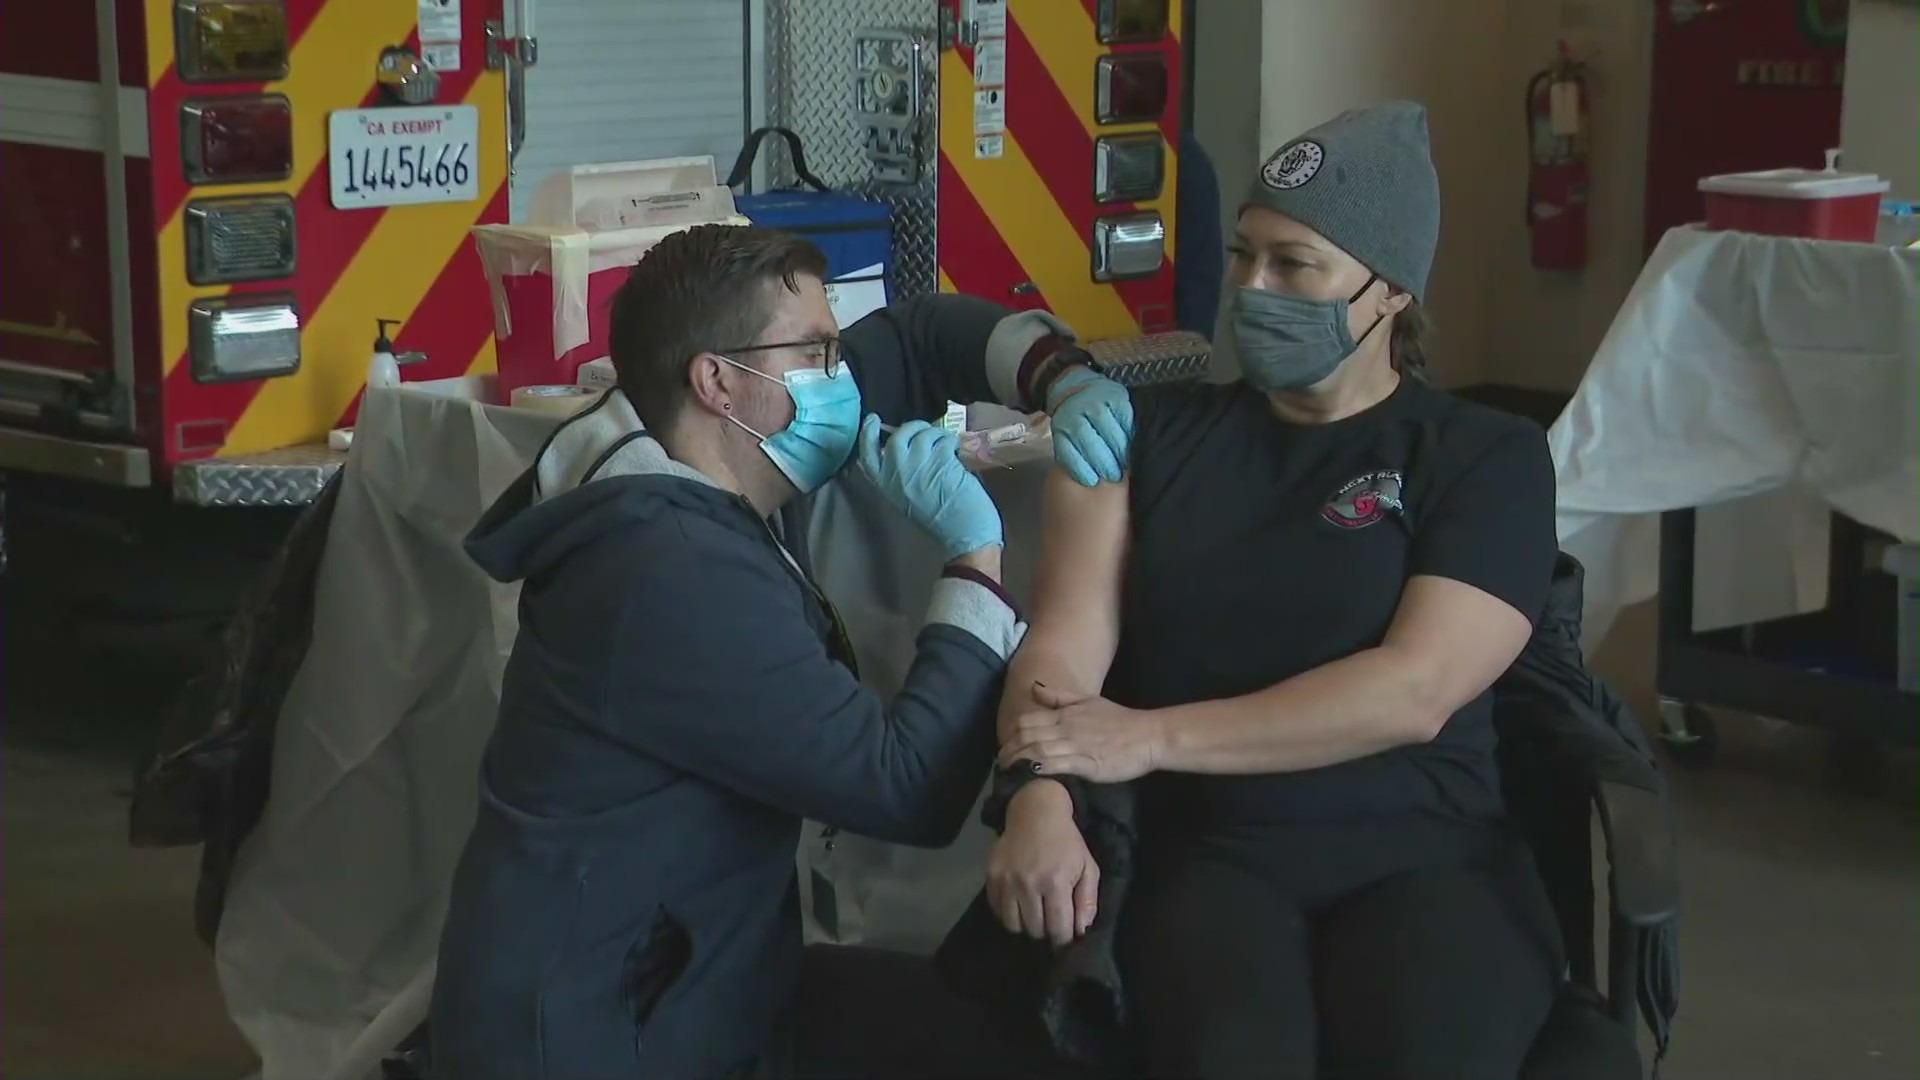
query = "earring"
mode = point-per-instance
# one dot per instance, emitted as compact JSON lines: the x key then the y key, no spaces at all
{"x":726,"y":406}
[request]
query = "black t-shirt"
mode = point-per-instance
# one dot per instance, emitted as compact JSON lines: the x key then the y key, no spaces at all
{"x":1263,"y":549}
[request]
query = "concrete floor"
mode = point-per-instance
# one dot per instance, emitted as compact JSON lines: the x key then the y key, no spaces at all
{"x":1800,"y":935}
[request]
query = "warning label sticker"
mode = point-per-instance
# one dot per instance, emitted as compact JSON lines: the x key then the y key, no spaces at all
{"x":989,"y":112}
{"x":990,"y":18}
{"x":440,"y":34}
{"x":990,"y":63}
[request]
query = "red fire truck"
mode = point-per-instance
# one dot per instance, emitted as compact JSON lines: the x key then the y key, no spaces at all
{"x":212,"y":204}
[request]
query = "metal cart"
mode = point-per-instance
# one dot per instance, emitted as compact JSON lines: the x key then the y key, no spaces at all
{"x":1831,"y":669}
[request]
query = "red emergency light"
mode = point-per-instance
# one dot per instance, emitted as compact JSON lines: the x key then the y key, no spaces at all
{"x":236,"y":139}
{"x":1130,"y":88}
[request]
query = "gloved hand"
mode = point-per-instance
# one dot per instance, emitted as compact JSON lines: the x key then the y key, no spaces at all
{"x":920,"y":473}
{"x":1092,"y":426}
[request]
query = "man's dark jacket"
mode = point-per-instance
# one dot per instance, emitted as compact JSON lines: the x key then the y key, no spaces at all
{"x":678,"y":699}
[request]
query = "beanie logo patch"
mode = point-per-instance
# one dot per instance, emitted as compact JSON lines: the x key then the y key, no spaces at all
{"x":1293,"y":165}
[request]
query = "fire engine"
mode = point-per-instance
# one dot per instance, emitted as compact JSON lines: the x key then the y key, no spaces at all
{"x":212,"y":205}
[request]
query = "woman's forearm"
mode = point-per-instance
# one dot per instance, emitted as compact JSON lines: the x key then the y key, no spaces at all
{"x":1366,"y":703}
{"x":1038,"y":660}
{"x":1062,"y":669}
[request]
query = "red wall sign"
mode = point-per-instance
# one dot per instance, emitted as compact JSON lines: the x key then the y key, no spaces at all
{"x":1739,"y":85}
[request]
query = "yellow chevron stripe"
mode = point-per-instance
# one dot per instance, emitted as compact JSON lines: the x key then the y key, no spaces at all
{"x":486,"y":361}
{"x":1063,"y":36}
{"x":159,"y":24}
{"x":388,"y":278}
{"x":946,"y":283}
{"x":1025,"y":215}
{"x":330,"y":68}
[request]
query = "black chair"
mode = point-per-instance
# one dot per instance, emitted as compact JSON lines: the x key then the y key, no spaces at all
{"x":1571,"y":750}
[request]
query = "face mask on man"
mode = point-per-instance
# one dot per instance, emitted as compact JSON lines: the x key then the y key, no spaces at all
{"x":1287,"y":343}
{"x":826,"y":421}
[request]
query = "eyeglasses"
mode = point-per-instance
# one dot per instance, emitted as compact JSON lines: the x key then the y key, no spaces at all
{"x":826,"y":352}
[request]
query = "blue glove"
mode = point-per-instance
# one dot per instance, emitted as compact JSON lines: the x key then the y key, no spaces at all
{"x":920,"y":473}
{"x":1092,"y":428}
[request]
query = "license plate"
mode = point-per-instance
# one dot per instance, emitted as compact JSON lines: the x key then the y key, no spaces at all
{"x":403,"y":156}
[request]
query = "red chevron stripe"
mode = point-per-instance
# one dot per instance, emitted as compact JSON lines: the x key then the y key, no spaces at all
{"x":972,"y":254}
{"x":447,"y":313}
{"x":1055,"y":140}
{"x":328,"y":240}
{"x":169,"y":180}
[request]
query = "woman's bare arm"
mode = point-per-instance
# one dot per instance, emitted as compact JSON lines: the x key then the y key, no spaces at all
{"x":1448,"y":642}
{"x":1074,"y":619}
{"x":1041,"y":878}
{"x":1481,"y":561}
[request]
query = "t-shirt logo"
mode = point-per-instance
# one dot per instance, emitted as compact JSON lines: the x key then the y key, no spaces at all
{"x":1293,"y":165}
{"x":1365,"y":499}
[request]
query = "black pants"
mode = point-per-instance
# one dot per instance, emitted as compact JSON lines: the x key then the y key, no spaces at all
{"x":875,"y":1014}
{"x":1377,"y":951}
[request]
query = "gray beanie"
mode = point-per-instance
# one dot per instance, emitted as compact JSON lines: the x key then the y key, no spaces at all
{"x":1365,"y":181}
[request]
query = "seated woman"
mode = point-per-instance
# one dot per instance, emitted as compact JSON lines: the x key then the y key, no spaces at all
{"x":1284,"y":625}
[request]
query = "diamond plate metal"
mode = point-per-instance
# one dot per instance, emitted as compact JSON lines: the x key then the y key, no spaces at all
{"x":289,"y":477}
{"x":810,"y":88}
{"x":1180,"y":356}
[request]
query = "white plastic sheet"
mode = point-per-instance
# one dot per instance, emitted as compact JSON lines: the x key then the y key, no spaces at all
{"x":1771,"y":379}
{"x":326,"y":949}
{"x":337,"y":897}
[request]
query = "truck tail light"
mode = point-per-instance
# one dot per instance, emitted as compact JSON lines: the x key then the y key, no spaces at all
{"x":237,"y":139}
{"x":254,"y":336}
{"x":1130,"y":88}
{"x":1132,"y":20}
{"x":230,"y":40}
{"x":239,"y":239}
{"x":1128,"y":246}
{"x":1127,"y":168}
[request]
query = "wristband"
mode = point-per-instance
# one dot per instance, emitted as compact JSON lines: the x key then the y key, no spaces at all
{"x":967,"y":573}
{"x":1047,"y":360}
{"x":1057,"y":367}
{"x":1009,"y":781}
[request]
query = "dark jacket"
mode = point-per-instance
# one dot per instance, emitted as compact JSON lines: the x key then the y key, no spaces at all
{"x":208,"y":784}
{"x":1074,"y":995}
{"x":679,"y":697}
{"x":1563,"y":733}
{"x":1199,"y":258}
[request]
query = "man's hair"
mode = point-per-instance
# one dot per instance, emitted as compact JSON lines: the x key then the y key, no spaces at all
{"x":710,"y":288}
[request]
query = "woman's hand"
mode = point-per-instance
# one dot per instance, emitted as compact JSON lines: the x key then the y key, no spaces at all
{"x":1085,"y":736}
{"x":1041,"y":879}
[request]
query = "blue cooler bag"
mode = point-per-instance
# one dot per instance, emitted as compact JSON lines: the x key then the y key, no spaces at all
{"x":855,"y":233}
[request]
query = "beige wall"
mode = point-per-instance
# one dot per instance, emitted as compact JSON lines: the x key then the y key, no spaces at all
{"x":1880,"y":120}
{"x":1547,"y":324}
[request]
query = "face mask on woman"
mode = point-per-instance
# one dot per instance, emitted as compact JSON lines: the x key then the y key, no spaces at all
{"x":819,"y":439}
{"x":1287,"y":343}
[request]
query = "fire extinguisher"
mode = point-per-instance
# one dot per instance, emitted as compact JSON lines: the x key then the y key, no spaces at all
{"x":1557,"y":175}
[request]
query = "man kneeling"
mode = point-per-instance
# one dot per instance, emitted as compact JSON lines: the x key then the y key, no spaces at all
{"x":681,"y":695}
